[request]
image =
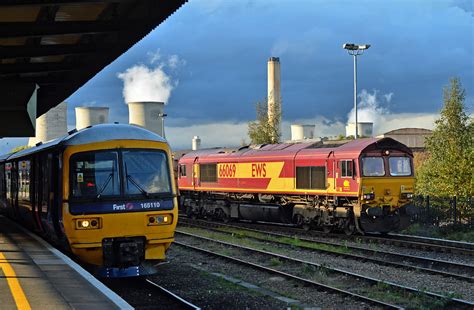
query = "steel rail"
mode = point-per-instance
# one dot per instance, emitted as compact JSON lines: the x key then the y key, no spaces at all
{"x":442,"y":267}
{"x":395,"y":262}
{"x":452,"y":301}
{"x":434,"y":241}
{"x":318,"y":285}
{"x":407,"y":241}
{"x":184,"y":303}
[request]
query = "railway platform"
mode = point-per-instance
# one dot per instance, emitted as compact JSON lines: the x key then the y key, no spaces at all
{"x":34,"y":275}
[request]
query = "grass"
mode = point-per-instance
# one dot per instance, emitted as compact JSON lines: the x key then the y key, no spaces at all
{"x":383,"y":291}
{"x":275,"y":262}
{"x":293,"y":241}
{"x":450,"y":232}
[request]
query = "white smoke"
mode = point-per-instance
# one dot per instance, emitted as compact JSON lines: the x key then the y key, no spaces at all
{"x":153,"y":82}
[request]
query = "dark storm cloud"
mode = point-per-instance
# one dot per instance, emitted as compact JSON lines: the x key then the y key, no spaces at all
{"x":416,"y":47}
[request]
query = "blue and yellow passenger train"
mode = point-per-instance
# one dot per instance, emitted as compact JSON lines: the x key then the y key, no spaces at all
{"x":105,"y":193}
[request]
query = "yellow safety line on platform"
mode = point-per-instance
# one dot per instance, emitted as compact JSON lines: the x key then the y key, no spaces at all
{"x":15,"y":287}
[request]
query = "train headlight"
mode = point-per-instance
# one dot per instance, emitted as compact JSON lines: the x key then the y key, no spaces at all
{"x":93,"y":223}
{"x":161,"y":219}
{"x":369,"y":196}
{"x":406,"y":195}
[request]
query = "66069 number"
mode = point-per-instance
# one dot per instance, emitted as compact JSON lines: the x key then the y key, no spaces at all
{"x":227,"y":170}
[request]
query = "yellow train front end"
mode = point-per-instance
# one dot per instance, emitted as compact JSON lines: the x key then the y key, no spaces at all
{"x":386,"y":192}
{"x":120,"y":207}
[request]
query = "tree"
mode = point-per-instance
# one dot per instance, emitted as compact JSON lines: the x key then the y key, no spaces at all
{"x":263,"y":130}
{"x":449,"y":167}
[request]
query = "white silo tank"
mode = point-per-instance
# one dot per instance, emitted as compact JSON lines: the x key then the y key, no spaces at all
{"x":51,"y":125}
{"x":302,"y":132}
{"x":89,"y":116}
{"x":196,"y":143}
{"x":147,"y":114}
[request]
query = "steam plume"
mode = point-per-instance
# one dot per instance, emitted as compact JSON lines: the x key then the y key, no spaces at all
{"x":153,"y":82}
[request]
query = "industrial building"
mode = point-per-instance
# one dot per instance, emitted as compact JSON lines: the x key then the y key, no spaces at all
{"x":414,"y":138}
{"x":149,"y":115}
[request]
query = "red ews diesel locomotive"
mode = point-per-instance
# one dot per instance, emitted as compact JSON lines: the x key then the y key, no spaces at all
{"x":364,"y":185}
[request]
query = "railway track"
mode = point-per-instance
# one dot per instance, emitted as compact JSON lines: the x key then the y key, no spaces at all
{"x":143,"y":293}
{"x":444,"y":268}
{"x":181,"y":303}
{"x":336,"y":281}
{"x":399,"y":240}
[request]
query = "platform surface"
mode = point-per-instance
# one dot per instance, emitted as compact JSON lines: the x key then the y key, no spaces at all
{"x":33,"y":276}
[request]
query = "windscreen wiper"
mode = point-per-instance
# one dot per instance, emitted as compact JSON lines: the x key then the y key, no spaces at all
{"x":105,"y":184}
{"x":144,"y":192}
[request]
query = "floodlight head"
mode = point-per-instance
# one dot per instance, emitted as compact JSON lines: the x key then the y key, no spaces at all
{"x":350,"y":46}
{"x":355,"y":47}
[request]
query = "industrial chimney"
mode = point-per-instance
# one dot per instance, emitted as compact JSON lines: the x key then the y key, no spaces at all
{"x":51,"y":125}
{"x":89,"y":116}
{"x":149,"y":115}
{"x":302,"y":132}
{"x":274,"y":93}
{"x":196,"y":143}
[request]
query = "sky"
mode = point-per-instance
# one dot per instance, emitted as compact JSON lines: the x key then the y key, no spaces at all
{"x":208,"y":61}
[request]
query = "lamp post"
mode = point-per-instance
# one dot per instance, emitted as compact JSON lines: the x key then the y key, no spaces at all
{"x":163,"y":115}
{"x":355,"y":50}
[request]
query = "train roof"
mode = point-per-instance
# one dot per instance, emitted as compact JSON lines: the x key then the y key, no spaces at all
{"x":353,"y":148}
{"x":92,"y":134}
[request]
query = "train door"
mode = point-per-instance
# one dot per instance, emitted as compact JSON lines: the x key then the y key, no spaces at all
{"x":196,"y":173}
{"x":346,"y":176}
{"x":55,"y":199}
{"x":37,"y":196}
{"x":331,"y":172}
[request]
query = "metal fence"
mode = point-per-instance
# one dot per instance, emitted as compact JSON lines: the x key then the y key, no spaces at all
{"x":441,"y":211}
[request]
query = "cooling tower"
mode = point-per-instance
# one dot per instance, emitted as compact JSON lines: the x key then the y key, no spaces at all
{"x":89,"y":116}
{"x":302,"y":132}
{"x":196,"y":143}
{"x":147,"y":114}
{"x":364,"y":129}
{"x":274,"y":93}
{"x":51,"y":125}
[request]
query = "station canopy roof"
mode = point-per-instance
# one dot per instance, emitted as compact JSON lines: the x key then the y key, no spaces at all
{"x":49,"y":49}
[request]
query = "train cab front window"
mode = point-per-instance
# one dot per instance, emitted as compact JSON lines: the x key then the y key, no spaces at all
{"x":95,"y":175}
{"x":399,"y":166}
{"x":146,"y":172}
{"x":373,"y":166}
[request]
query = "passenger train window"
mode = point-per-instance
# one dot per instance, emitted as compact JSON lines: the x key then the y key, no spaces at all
{"x":399,"y":166}
{"x":94,"y":174}
{"x":24,"y":180}
{"x":373,"y":167}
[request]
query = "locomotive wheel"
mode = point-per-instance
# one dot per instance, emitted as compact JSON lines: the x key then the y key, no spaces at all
{"x":349,"y":227}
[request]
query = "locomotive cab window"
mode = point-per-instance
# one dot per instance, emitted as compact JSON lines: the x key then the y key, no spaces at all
{"x":399,"y":166}
{"x":208,"y":173}
{"x":313,"y":177}
{"x":373,"y":166}
{"x":347,"y":168}
{"x":94,"y":174}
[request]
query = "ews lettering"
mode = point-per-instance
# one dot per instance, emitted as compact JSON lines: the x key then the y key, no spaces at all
{"x":259,"y":170}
